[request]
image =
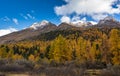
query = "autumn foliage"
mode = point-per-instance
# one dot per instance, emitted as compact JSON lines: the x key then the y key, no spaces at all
{"x":90,"y":47}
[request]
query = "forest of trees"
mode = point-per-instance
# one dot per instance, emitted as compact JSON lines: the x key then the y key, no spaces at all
{"x":96,"y":47}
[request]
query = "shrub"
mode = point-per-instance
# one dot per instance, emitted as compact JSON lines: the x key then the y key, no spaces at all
{"x":12,"y":68}
{"x":8,"y":65}
{"x":114,"y":71}
{"x":25,"y":63}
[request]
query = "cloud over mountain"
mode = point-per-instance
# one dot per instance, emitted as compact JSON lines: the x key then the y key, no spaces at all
{"x":65,"y":19}
{"x":7,"y":31}
{"x":96,"y":9}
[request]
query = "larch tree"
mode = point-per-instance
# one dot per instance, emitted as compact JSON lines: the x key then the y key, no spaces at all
{"x":81,"y":50}
{"x":115,"y":46}
{"x":59,"y":50}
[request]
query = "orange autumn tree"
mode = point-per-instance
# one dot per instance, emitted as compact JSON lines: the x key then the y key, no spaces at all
{"x":115,"y":46}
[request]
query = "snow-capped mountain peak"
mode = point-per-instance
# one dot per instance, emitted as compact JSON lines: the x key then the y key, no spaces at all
{"x":82,"y":23}
{"x":39,"y":24}
{"x":108,"y":18}
{"x":77,"y":23}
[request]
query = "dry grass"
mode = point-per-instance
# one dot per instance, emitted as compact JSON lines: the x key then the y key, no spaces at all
{"x":27,"y":68}
{"x":114,"y":71}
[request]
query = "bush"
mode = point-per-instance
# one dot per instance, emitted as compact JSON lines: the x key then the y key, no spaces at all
{"x":12,"y":68}
{"x":3,"y":62}
{"x":25,"y":63}
{"x":114,"y":71}
{"x":8,"y":65}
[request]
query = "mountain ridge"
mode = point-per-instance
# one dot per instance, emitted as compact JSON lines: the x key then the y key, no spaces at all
{"x":40,"y":28}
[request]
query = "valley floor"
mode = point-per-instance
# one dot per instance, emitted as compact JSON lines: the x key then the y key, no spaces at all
{"x":63,"y":72}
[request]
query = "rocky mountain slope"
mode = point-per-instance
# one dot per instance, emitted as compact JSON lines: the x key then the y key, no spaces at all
{"x":41,"y":29}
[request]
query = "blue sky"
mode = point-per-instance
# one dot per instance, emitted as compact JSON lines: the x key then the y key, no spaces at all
{"x":26,"y":12}
{"x":19,"y":14}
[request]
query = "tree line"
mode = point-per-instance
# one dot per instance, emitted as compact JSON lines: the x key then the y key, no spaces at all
{"x":95,"y":47}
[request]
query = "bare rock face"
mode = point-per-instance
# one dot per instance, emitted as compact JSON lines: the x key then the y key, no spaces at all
{"x":109,"y":22}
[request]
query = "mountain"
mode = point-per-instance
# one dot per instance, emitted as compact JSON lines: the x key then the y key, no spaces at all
{"x":65,"y":26}
{"x":40,"y":25}
{"x":108,"y":22}
{"x":82,"y":24}
{"x":46,"y":30}
{"x":74,"y":25}
{"x":34,"y":30}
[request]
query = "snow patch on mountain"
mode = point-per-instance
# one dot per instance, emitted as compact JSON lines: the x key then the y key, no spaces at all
{"x":39,"y":24}
{"x":83,"y":23}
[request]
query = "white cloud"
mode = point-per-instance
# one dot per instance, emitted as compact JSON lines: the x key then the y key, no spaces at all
{"x":93,"y":22}
{"x":25,"y":17}
{"x":30,"y":16}
{"x":66,"y":0}
{"x":15,"y":21}
{"x":98,"y":16}
{"x":97,"y":9}
{"x":65,"y":19}
{"x":84,"y":19}
{"x":76,"y":18}
{"x":6,"y":19}
{"x":7,"y":31}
